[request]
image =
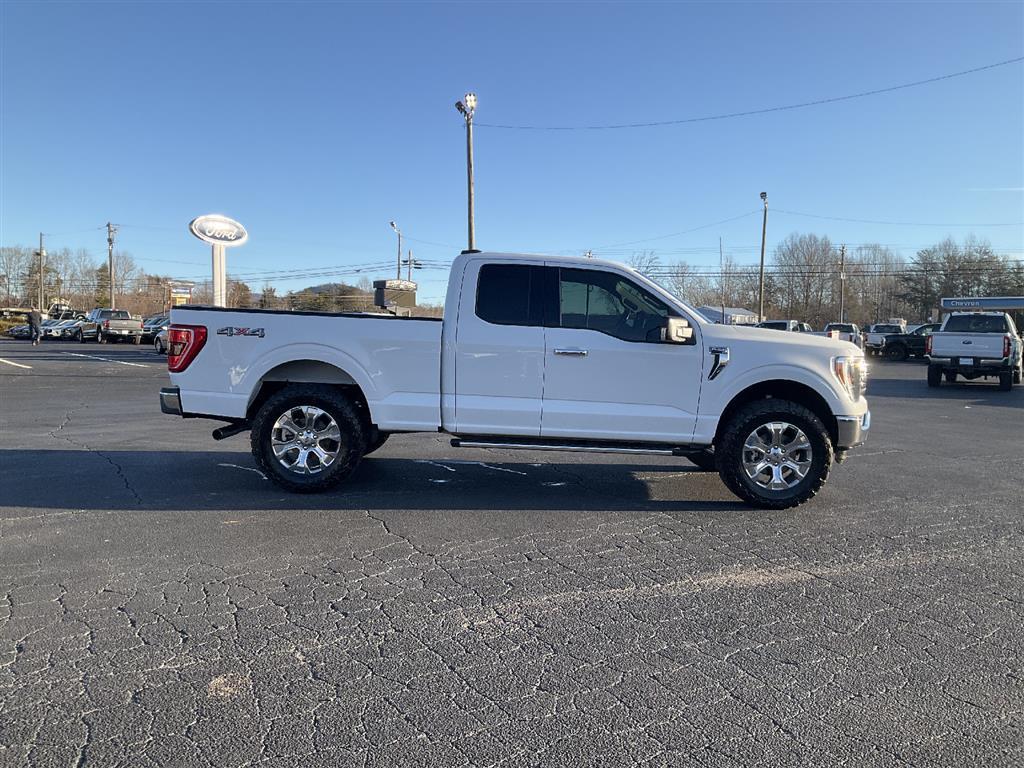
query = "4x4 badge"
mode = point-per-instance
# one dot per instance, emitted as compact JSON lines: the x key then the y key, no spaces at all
{"x":230,"y":331}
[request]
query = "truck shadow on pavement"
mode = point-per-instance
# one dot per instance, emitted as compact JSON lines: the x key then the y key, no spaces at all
{"x":978,"y":392}
{"x":226,"y":480}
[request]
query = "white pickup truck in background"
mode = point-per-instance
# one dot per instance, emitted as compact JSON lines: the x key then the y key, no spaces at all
{"x":534,"y":352}
{"x":975,"y":345}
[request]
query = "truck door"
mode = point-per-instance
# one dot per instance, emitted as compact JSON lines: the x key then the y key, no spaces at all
{"x":499,"y":350}
{"x":609,"y":375}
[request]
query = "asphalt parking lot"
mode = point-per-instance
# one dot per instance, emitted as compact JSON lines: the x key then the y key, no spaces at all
{"x":163,"y":604}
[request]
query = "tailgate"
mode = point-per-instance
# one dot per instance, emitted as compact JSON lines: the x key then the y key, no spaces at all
{"x":975,"y":345}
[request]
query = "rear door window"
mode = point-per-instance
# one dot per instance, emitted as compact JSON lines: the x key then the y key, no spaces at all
{"x":516,"y":294}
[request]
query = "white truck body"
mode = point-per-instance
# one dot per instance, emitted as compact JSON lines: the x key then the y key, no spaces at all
{"x":975,"y":345}
{"x":617,"y":384}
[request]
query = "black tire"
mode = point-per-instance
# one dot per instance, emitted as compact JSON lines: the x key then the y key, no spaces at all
{"x":729,"y":453}
{"x":705,"y":460}
{"x":376,"y":440}
{"x":158,"y":346}
{"x":79,"y":336}
{"x":136,"y":340}
{"x":350,"y":445}
{"x":100,"y":338}
{"x":897,"y":353}
{"x":951,"y":377}
{"x":1017,"y":375}
{"x":934,"y":376}
{"x":1005,"y":381}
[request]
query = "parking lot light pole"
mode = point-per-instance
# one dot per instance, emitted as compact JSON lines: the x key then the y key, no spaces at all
{"x":398,"y":274}
{"x":760,"y":288}
{"x":466,"y":108}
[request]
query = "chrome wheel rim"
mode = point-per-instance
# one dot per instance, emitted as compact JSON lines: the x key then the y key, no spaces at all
{"x":777,"y":456}
{"x":305,"y":440}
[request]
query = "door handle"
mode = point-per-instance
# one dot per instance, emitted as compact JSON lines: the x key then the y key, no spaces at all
{"x":572,"y":352}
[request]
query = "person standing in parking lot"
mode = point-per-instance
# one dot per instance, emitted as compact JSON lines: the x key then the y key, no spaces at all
{"x":35,"y":324}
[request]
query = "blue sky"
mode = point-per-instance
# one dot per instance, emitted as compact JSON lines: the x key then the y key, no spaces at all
{"x":315,"y":124}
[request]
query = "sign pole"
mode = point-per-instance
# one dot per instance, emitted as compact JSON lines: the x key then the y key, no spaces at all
{"x":219,"y":276}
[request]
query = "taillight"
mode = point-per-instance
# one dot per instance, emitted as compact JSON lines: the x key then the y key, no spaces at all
{"x":183,"y":344}
{"x":106,"y":323}
{"x":928,"y":345}
{"x":1006,"y":346}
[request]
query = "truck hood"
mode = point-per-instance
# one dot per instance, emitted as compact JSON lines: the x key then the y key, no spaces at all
{"x":780,"y":340}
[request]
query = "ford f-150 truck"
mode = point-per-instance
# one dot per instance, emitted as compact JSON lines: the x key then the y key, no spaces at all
{"x":534,"y":352}
{"x":973,"y":345}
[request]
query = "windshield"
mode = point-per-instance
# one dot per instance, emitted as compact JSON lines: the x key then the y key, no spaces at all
{"x":841,"y":327}
{"x":779,"y":325}
{"x":976,"y":324}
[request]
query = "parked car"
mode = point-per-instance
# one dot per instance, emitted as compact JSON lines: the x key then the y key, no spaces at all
{"x":151,"y":326}
{"x":110,"y":325}
{"x":160,"y":342}
{"x":975,"y":345}
{"x":70,"y":329}
{"x":614,"y":362}
{"x":58,"y":329}
{"x":900,"y":346}
{"x":786,"y":325}
{"x":875,"y":338}
{"x":20,"y":332}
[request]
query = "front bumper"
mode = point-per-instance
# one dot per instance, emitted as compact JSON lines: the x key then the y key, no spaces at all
{"x":852,"y":431}
{"x":170,"y":401}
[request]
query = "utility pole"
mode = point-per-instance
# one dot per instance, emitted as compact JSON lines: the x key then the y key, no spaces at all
{"x":760,"y":290}
{"x":410,"y":265}
{"x":466,"y":108}
{"x":42,"y":260}
{"x":111,"y":231}
{"x":721,"y":276}
{"x":842,"y":283}
{"x":398,"y":273}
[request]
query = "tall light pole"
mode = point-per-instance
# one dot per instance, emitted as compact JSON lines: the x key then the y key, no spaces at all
{"x":760,"y":289}
{"x":42,"y":260}
{"x":398,"y":274}
{"x":111,"y":230}
{"x":466,"y":108}
{"x":842,"y":284}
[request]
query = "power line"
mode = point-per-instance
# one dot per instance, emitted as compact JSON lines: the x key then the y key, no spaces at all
{"x":749,"y":112}
{"x":893,"y":223}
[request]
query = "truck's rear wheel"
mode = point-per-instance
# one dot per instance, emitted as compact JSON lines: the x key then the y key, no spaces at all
{"x":775,"y":454}
{"x":951,"y":377}
{"x":100,"y":338}
{"x":934,"y":376}
{"x":1017,"y":374}
{"x":1005,"y":381}
{"x":307,"y":438}
{"x":896,"y":353}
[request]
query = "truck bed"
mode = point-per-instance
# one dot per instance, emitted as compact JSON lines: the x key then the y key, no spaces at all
{"x":974,"y":346}
{"x":395,"y":361}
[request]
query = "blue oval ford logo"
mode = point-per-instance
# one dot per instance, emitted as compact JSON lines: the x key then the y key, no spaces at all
{"x":219,"y":230}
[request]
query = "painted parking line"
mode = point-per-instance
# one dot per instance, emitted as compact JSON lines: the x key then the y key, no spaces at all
{"x":16,"y":365}
{"x":107,"y":359}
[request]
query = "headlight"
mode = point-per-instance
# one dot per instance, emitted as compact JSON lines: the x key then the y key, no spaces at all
{"x":852,"y":373}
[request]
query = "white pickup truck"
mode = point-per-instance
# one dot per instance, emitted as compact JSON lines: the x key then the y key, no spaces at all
{"x":874,"y":339}
{"x":534,"y":352}
{"x":975,"y":345}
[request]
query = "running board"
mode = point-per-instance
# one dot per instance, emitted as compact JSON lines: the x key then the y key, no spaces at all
{"x":551,"y":445}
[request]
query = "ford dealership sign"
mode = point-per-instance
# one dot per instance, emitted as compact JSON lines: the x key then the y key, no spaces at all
{"x":219,"y":230}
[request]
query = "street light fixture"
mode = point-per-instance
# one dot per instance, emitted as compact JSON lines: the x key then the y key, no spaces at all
{"x":466,"y":108}
{"x":398,"y":274}
{"x":760,"y":290}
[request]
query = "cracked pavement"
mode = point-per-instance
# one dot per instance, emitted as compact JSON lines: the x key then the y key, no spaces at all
{"x":161,"y":604}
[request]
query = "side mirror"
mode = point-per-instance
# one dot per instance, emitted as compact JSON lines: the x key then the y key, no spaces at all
{"x":678,"y":331}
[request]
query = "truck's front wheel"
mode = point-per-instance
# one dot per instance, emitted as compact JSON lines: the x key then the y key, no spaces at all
{"x":307,"y":438}
{"x":775,"y":454}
